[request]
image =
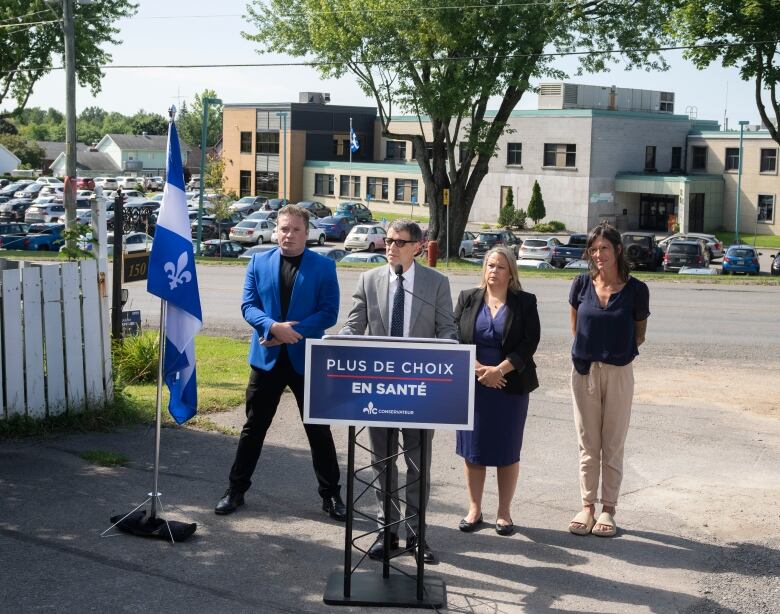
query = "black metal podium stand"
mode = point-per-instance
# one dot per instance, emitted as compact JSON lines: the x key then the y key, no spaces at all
{"x":402,"y":589}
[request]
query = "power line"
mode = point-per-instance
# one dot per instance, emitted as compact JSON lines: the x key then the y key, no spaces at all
{"x":405,"y":60}
{"x":9,"y":19}
{"x":27,"y":24}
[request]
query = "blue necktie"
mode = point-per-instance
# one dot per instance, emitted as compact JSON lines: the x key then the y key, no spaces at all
{"x":397,"y":319}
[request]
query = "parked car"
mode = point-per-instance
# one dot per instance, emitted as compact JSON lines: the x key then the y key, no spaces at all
{"x":252,"y":231}
{"x":258,"y":249}
{"x":334,"y":253}
{"x":12,"y":235}
{"x":714,"y":245}
{"x":52,"y":190}
{"x":263,"y":215}
{"x":49,"y":212}
{"x":315,"y":208}
{"x":30,"y":191}
{"x":774,"y":268}
{"x":574,"y":249}
{"x":44,"y":237}
{"x":129,"y":183}
{"x":211,"y":229}
{"x":359,"y":211}
{"x":156,"y":183}
{"x":316,"y":235}
{"x":685,"y":252}
{"x":741,"y":259}
{"x":488,"y":239}
{"x":14,"y":209}
{"x":131,"y":242}
{"x":689,"y":270}
{"x":365,"y":237}
{"x":50,"y":181}
{"x":249,"y":203}
{"x":467,"y":244}
{"x":274,"y":204}
{"x":219,"y":248}
{"x":365,"y":258}
{"x":7,"y":193}
{"x":538,"y":248}
{"x":642,"y":251}
{"x":581,"y":265}
{"x":336,"y":227}
{"x":532,"y":263}
{"x":107,"y":183}
{"x":194,"y":183}
{"x":85,"y":183}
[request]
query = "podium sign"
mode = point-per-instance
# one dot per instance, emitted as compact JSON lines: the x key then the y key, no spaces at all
{"x":373,"y":381}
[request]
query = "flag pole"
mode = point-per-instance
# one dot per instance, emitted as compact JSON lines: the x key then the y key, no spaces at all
{"x":155,"y":494}
{"x":351,"y":182}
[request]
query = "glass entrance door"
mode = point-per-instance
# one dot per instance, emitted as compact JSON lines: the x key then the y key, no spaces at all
{"x":654,"y":211}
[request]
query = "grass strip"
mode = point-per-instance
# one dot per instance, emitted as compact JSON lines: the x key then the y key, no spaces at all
{"x":105,"y":458}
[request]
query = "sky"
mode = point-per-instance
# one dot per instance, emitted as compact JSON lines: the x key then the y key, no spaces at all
{"x":207,"y":32}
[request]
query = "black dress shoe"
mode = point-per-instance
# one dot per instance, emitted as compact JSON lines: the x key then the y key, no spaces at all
{"x":377,"y":550}
{"x":505,"y":529}
{"x":468,"y":527}
{"x":428,"y":556}
{"x":335,"y":507}
{"x":229,"y":502}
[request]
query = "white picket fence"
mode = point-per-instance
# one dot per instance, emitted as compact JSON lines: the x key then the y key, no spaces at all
{"x":56,"y":349}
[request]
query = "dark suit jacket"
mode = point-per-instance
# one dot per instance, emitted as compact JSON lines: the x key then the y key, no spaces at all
{"x":521,"y":334}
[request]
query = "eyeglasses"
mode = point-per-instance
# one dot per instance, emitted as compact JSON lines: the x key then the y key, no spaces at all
{"x":398,"y":242}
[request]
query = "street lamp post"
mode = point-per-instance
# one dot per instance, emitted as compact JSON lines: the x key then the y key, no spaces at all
{"x":204,"y":126}
{"x":283,"y":116}
{"x":742,"y":125}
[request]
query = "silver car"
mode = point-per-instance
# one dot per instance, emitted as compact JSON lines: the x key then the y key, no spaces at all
{"x":714,"y":245}
{"x":253,"y":231}
{"x":538,"y":248}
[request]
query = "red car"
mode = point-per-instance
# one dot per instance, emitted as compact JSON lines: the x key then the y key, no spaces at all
{"x":85,"y":183}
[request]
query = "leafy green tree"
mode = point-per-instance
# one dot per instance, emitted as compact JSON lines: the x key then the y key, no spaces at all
{"x":520,"y":218}
{"x":35,"y":132}
{"x":30,"y":153}
{"x":190,"y":120}
{"x":93,"y":115}
{"x":738,"y":34}
{"x":151,"y":123}
{"x":449,"y":62}
{"x":214,"y":178}
{"x":506,"y":217}
{"x":30,"y":52}
{"x":536,"y":209}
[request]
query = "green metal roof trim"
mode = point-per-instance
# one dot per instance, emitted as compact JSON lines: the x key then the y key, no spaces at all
{"x":667,"y":178}
{"x":381,"y":167}
{"x":565,"y":113}
{"x":730,"y":134}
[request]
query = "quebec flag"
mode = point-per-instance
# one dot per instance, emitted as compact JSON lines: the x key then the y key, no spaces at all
{"x":172,"y":277}
{"x":354,"y":144}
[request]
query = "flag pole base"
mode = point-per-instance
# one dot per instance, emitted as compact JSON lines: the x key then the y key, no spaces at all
{"x":137,"y":522}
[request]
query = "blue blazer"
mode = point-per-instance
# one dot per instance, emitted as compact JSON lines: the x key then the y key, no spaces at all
{"x":314,"y":304}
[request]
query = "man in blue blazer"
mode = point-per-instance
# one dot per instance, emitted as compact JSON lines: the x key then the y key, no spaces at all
{"x":290,"y":294}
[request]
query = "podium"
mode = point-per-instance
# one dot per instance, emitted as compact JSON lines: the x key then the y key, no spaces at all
{"x":392,"y":383}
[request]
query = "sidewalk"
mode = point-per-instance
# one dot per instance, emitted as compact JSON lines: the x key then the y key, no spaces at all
{"x":699,"y":511}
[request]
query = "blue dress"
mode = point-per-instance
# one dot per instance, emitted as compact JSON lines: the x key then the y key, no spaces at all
{"x":499,"y":417}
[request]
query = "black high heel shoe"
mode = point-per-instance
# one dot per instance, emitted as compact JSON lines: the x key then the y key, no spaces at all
{"x":469,"y":527}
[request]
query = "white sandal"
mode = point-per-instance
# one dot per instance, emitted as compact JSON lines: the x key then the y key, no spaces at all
{"x":584,"y":518}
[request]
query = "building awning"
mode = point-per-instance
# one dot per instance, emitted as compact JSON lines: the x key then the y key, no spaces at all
{"x":647,"y":183}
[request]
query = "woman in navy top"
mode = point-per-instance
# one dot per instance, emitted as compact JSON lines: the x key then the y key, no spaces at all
{"x":609,"y":311}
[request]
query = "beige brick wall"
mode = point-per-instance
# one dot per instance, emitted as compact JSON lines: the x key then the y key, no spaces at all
{"x":236,"y":120}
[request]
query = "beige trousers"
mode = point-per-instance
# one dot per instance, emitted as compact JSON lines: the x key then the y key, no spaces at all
{"x":602,"y":410}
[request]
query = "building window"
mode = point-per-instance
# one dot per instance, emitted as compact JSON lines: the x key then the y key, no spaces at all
{"x":514,"y":153}
{"x":428,"y":150}
{"x":560,"y":155}
{"x":246,"y":142}
{"x":650,"y":158}
{"x":396,"y":150}
{"x":348,"y":182}
{"x":699,"y":159}
{"x":406,"y":190}
{"x":769,"y":161}
{"x":463,"y":151}
{"x":667,"y":102}
{"x":676,"y":160}
{"x":245,"y":184}
{"x":377,"y":188}
{"x":732,"y":158}
{"x":323,"y":184}
{"x":267,"y":184}
{"x":267,"y":143}
{"x":766,"y":208}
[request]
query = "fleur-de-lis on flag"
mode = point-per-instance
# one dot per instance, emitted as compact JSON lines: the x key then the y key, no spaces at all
{"x":177,"y":274}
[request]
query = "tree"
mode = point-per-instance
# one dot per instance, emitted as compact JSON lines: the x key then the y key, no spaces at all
{"x":448,"y":62}
{"x":214,"y":178}
{"x":151,"y":123}
{"x":536,"y":205}
{"x":190,"y":120}
{"x":739,"y":34}
{"x":30,"y":153}
{"x":29,"y":51}
{"x":506,"y":216}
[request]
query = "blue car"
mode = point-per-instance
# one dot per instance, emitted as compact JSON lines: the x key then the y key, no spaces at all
{"x":336,"y":227}
{"x":741,"y":259}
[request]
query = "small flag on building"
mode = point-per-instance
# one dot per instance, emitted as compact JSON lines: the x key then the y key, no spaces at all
{"x":172,"y":278}
{"x":354,"y":144}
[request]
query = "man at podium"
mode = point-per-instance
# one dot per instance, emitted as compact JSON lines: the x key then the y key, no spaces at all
{"x":404,"y":299}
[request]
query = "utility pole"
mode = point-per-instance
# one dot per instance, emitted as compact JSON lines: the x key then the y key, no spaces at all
{"x":204,"y":128}
{"x":69,"y":31}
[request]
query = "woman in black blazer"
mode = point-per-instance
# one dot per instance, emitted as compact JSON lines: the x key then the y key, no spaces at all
{"x":502,"y":321}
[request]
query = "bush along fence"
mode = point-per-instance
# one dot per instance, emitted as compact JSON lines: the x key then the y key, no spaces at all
{"x":56,"y":350}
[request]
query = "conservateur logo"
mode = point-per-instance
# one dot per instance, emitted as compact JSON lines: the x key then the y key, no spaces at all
{"x":373,"y":410}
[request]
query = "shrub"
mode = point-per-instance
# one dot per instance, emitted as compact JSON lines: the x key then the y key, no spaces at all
{"x":551,"y":226}
{"x":536,"y":209}
{"x":521,"y":217}
{"x":135,"y":359}
{"x":507,"y":215}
